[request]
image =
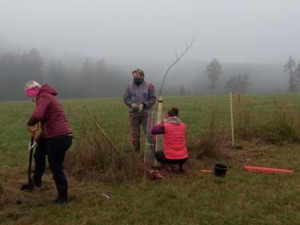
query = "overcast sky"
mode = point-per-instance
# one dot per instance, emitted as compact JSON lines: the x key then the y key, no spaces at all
{"x":230,"y":30}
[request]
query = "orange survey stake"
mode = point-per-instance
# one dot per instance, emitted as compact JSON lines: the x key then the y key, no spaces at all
{"x":266,"y":170}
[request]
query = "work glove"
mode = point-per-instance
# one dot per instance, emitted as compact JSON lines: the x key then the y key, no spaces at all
{"x":134,"y":106}
{"x":141,"y":107}
{"x":32,"y":146}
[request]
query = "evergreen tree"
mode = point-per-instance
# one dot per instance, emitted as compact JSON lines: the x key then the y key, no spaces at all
{"x":213,"y":71}
{"x":289,"y":68}
{"x":238,"y":83}
{"x":182,"y":90}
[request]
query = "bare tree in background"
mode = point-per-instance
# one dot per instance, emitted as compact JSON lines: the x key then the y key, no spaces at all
{"x":213,"y":71}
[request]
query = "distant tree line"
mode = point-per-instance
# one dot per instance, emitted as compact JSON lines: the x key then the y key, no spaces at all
{"x":91,"y":79}
{"x":15,"y":70}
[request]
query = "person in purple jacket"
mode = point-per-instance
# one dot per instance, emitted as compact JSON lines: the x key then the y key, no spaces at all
{"x":54,"y":139}
{"x":140,"y":97}
{"x":174,"y":131}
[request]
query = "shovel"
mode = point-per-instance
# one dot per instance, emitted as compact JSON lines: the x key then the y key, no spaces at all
{"x":29,"y":186}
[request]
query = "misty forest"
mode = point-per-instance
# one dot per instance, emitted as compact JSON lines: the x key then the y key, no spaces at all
{"x":78,"y":77}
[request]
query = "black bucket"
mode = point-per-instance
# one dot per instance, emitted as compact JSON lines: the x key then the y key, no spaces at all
{"x":220,"y":170}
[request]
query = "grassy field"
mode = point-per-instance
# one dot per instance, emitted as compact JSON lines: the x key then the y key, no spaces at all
{"x":266,"y":129}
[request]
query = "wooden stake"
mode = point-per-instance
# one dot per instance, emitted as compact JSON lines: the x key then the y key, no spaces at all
{"x":159,"y":120}
{"x":231,"y":117}
{"x":160,"y":109}
{"x":105,"y":135}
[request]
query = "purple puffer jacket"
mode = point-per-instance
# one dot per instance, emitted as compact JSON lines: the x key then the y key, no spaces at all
{"x":50,"y":114}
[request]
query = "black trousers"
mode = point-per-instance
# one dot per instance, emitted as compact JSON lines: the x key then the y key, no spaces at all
{"x":55,"y":149}
{"x":161,"y":158}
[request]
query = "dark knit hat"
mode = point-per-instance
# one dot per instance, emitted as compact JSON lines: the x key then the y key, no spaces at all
{"x":173,"y":111}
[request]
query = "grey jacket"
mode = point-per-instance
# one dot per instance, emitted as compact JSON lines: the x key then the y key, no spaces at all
{"x":140,"y":94}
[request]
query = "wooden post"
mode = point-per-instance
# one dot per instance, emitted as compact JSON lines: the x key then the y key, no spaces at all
{"x":159,"y":120}
{"x":159,"y":109}
{"x":231,"y":118}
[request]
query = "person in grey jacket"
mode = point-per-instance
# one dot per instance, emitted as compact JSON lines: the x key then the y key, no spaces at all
{"x":140,"y":97}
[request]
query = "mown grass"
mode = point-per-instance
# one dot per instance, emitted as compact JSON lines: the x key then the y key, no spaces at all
{"x":190,"y":198}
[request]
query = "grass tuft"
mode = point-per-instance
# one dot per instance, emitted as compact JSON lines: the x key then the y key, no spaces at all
{"x":209,"y":144}
{"x":281,"y":127}
{"x":245,"y":121}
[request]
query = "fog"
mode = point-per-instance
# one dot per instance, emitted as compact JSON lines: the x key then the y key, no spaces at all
{"x":231,"y":30}
{"x":127,"y":34}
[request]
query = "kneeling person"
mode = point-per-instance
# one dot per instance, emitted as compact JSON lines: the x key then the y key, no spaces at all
{"x":174,"y":131}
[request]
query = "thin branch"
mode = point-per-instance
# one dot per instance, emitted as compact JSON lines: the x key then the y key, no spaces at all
{"x":176,"y":53}
{"x":175,"y":62}
{"x":106,"y":136}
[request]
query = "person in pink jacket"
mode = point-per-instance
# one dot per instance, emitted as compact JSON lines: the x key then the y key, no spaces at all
{"x":54,"y":139}
{"x":174,"y":131}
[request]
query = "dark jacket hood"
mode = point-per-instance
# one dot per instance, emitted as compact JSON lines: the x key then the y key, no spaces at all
{"x":47,"y":89}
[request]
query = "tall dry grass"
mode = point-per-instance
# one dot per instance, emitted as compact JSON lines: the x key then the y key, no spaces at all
{"x":278,"y":125}
{"x":94,"y":153}
{"x":209,"y":143}
{"x":282,"y":124}
{"x":245,"y":120}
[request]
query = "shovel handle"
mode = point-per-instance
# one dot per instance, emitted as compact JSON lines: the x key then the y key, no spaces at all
{"x":33,"y":129}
